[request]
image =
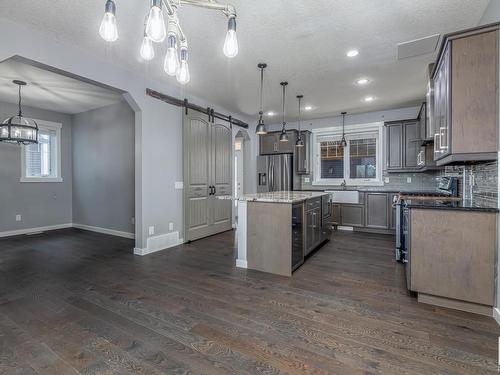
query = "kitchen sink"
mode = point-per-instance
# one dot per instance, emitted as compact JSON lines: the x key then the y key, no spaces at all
{"x":344,"y":196}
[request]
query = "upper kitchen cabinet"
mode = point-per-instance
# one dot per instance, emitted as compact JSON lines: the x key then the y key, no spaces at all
{"x":464,"y":110}
{"x":402,"y":145}
{"x":270,"y":143}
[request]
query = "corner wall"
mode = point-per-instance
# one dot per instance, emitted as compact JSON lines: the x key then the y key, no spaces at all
{"x":40,"y":204}
{"x":491,"y":14}
{"x":103,"y":168}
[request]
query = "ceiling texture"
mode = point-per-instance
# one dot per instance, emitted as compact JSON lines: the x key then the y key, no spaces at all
{"x":302,"y":41}
{"x":51,"y":91}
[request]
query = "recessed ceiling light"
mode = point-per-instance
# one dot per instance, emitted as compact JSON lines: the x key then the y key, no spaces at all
{"x":270,"y":113}
{"x":362,"y":81}
{"x":352,"y":53}
{"x":369,"y":99}
{"x":308,"y":107}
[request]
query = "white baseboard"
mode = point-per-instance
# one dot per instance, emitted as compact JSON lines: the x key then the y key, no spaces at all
{"x":241,"y":263}
{"x":496,"y":314}
{"x":160,"y":242}
{"x":342,"y":227}
{"x":19,"y":232}
{"x":111,"y":232}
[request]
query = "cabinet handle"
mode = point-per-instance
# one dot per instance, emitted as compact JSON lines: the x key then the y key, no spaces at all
{"x":442,"y":134}
{"x":305,"y":163}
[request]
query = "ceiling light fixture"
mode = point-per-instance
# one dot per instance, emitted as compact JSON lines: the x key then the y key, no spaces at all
{"x":300,"y":141}
{"x":283,"y":135}
{"x":261,"y":127}
{"x":362,"y":81}
{"x":271,"y":114}
{"x":343,"y":142}
{"x":156,"y":31}
{"x":369,"y":99}
{"x":308,"y":108}
{"x":19,"y":129}
{"x":352,"y":53}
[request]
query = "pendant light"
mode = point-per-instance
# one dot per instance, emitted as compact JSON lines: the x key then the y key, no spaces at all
{"x":283,"y":135}
{"x":343,"y":142}
{"x":261,"y":127}
{"x":300,"y":141}
{"x":19,"y":129}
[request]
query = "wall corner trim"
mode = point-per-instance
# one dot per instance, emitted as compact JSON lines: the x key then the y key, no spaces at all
{"x":496,"y":314}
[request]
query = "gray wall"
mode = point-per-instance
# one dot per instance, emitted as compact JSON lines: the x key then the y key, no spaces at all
{"x":39,"y":203}
{"x":103,"y":168}
{"x":492,"y":13}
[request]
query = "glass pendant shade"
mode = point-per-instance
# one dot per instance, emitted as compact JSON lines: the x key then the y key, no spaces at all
{"x":19,"y":129}
{"x":172,"y":58}
{"x":283,"y":136}
{"x":231,"y":42}
{"x":147,"y":50}
{"x":183,"y":76}
{"x":108,"y":29}
{"x":300,"y":142}
{"x":155,"y":25}
{"x":261,"y":128}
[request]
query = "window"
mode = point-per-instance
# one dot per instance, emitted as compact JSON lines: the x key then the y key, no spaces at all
{"x":42,"y":162}
{"x":359,"y":163}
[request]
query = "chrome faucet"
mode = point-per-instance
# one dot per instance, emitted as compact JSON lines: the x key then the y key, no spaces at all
{"x":343,"y":184}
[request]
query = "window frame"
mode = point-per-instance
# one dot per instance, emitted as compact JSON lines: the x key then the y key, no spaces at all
{"x":55,"y":177}
{"x":359,"y":131}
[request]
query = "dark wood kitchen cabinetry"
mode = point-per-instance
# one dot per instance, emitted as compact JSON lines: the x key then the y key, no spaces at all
{"x":465,"y":103}
{"x":352,"y":215}
{"x":313,"y":224}
{"x":402,"y":145}
{"x":377,"y":210}
{"x":270,"y":143}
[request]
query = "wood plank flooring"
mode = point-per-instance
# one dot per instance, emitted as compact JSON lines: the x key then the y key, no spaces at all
{"x":77,"y":302}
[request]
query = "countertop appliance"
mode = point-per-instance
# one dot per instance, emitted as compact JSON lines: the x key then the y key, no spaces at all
{"x":274,"y":173}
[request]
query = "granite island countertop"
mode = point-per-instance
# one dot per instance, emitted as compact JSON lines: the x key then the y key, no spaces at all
{"x":282,"y":196}
{"x":449,"y":205}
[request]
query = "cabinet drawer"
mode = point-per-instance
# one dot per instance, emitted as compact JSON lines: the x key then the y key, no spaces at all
{"x":313,"y":203}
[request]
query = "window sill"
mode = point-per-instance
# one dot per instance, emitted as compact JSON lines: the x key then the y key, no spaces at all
{"x":41,"y":179}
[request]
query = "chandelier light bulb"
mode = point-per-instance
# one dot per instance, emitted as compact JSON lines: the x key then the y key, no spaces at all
{"x":108,"y":29}
{"x":147,"y":50}
{"x":231,"y":42}
{"x":155,"y":25}
{"x":182,"y":75}
{"x":172,"y":58}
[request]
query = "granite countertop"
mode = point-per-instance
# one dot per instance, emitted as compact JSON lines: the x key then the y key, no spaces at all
{"x":282,"y":196}
{"x":447,"y":205}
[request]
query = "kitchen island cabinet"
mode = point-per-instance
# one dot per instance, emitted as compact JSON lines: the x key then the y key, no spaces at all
{"x":277,"y":230}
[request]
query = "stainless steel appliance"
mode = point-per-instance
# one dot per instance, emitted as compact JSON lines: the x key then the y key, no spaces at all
{"x":274,"y":173}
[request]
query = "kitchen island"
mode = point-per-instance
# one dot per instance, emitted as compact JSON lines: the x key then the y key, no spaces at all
{"x":276,"y":231}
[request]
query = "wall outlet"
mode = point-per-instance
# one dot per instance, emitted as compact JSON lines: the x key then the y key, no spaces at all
{"x":307,"y":180}
{"x":151,"y":230}
{"x":179,"y":185}
{"x":386,"y":180}
{"x":133,"y":221}
{"x":408,"y":180}
{"x":18,"y":218}
{"x":171,"y":226}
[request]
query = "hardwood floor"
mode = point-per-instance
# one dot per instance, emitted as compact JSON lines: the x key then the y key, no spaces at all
{"x":79,"y":302}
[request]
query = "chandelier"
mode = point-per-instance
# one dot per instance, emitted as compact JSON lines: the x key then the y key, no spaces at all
{"x":158,"y":30}
{"x":19,"y":129}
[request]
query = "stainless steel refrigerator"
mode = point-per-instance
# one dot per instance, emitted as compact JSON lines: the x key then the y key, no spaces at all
{"x":274,"y":173}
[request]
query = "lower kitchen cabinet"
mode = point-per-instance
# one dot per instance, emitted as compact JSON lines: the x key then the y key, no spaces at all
{"x":377,"y":211}
{"x":353,"y":215}
{"x":313,"y":231}
{"x":336,"y":218}
{"x":452,"y":258}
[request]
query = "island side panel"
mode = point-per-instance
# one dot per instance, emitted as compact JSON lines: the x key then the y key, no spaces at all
{"x":241,"y":233}
{"x":269,"y":237}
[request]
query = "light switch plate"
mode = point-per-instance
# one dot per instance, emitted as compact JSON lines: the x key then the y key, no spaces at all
{"x":18,"y":217}
{"x":408,"y":180}
{"x":307,"y":180}
{"x":171,"y":226}
{"x":179,"y":185}
{"x":386,"y":180}
{"x":151,"y":230}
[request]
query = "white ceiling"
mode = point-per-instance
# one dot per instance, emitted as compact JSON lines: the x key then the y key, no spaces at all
{"x":303,"y":41}
{"x":51,"y":91}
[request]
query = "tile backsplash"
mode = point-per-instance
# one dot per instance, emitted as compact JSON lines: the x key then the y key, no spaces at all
{"x":480,"y":184}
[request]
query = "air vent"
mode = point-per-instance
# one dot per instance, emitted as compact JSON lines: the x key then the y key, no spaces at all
{"x":418,"y":47}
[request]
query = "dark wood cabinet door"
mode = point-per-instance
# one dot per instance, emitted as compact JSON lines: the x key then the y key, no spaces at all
{"x":377,"y":213}
{"x":411,"y":143}
{"x":336,"y":219}
{"x":394,"y":145}
{"x":353,"y":215}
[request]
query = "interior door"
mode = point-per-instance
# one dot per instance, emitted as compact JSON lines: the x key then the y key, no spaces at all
{"x":221,"y":172}
{"x":197,"y":177}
